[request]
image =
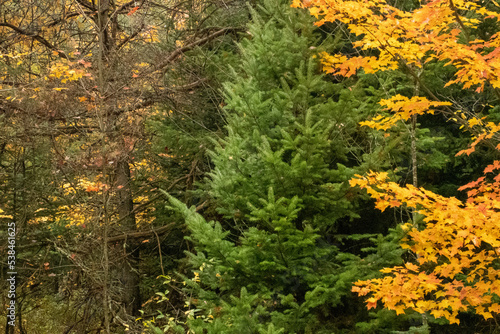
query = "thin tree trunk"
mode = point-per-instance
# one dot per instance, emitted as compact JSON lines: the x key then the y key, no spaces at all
{"x":106,"y":299}
{"x":130,"y":275}
{"x":414,"y":171}
{"x":106,"y":221}
{"x":414,"y":166}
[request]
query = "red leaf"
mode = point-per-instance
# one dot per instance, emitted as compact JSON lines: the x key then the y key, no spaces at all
{"x":133,"y":10}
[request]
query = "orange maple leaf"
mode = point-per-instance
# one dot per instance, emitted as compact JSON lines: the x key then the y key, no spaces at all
{"x":133,"y":10}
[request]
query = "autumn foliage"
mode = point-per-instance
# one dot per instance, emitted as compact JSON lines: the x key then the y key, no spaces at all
{"x":456,"y":254}
{"x":455,"y":266}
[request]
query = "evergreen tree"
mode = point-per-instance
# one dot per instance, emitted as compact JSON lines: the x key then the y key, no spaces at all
{"x":284,"y":130}
{"x":280,"y":182}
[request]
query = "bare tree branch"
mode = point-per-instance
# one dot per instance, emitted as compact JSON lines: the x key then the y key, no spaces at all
{"x":36,"y":37}
{"x":141,"y":234}
{"x":176,"y":53}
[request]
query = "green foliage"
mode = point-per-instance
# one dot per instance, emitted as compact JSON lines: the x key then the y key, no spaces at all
{"x":274,"y":264}
{"x":285,"y":130}
{"x":290,"y":235}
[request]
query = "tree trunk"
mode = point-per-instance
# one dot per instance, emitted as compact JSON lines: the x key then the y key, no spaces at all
{"x":129,"y":272}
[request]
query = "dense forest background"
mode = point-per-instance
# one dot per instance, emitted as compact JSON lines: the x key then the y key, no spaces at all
{"x":184,"y":167}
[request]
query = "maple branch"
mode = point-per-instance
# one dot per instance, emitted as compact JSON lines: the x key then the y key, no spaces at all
{"x":459,"y":120}
{"x":459,"y":21}
{"x":420,"y":84}
{"x":36,"y":37}
{"x":398,"y":58}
